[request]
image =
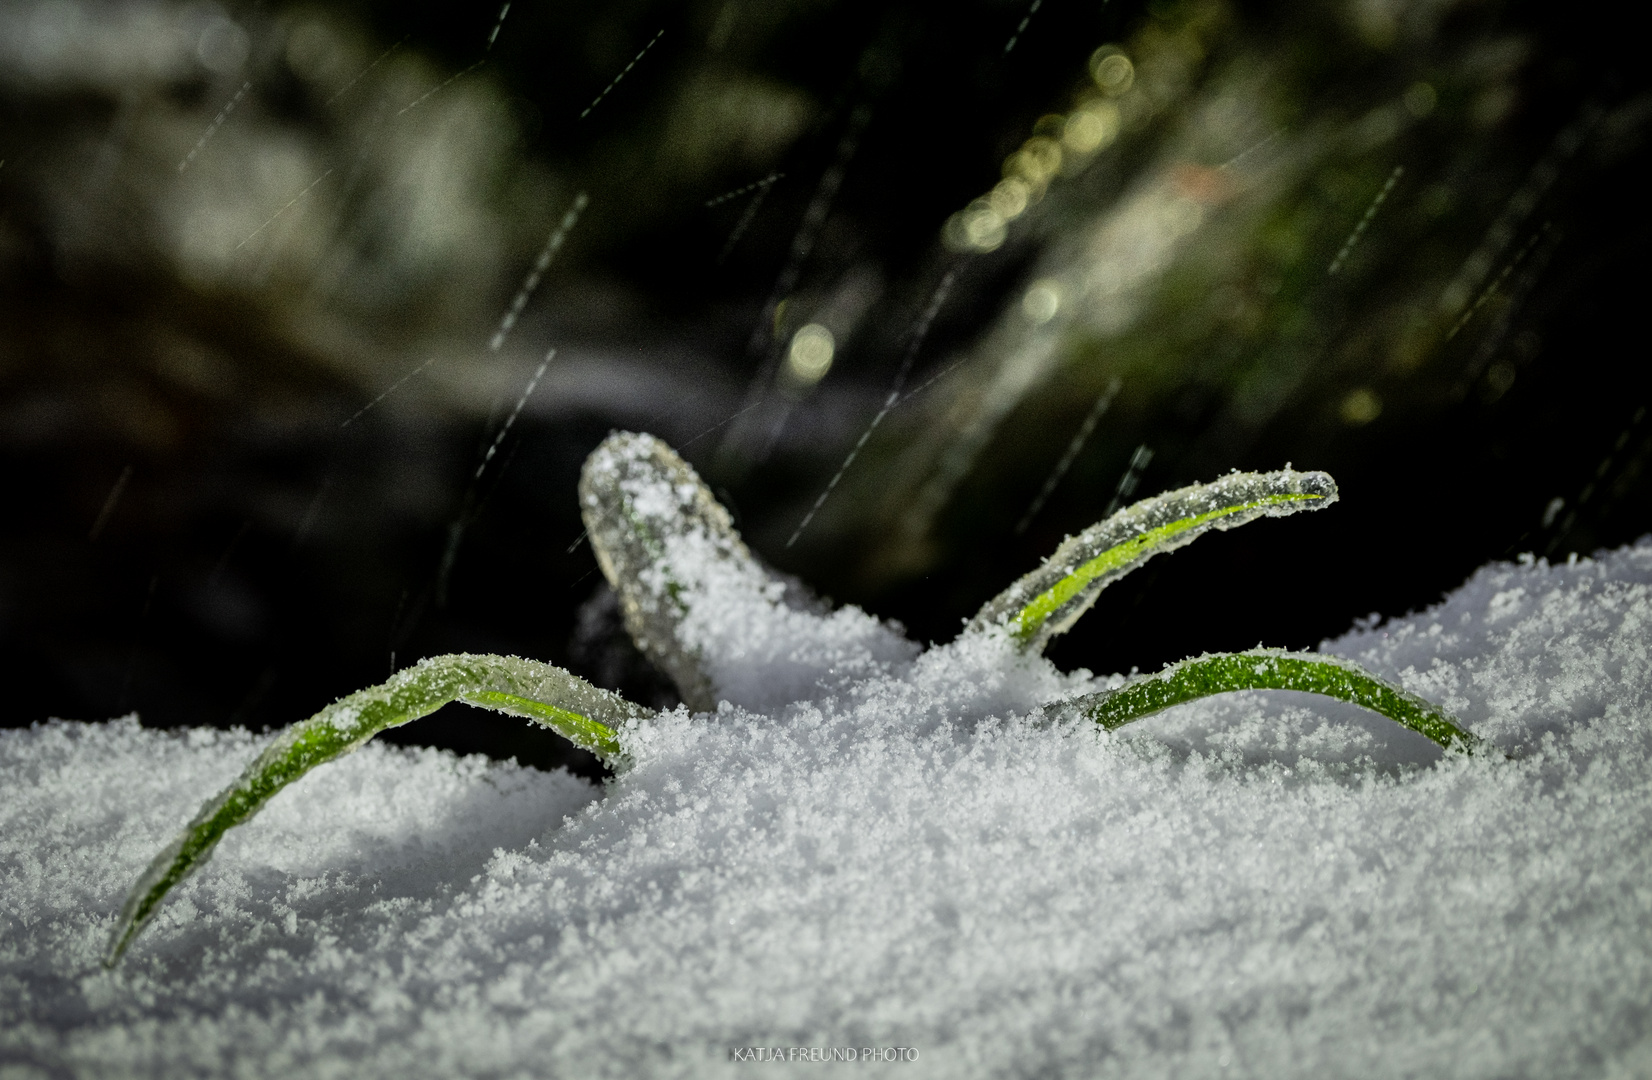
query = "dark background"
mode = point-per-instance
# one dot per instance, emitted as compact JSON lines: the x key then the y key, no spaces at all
{"x":201,"y":525}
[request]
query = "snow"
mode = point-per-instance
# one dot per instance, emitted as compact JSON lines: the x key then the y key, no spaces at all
{"x":1257,"y":885}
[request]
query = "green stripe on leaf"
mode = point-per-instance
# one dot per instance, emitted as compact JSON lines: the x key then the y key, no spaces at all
{"x":527,"y":688}
{"x":577,"y":729}
{"x":1273,"y":669}
{"x":1031,"y":619}
{"x":1049,"y":600}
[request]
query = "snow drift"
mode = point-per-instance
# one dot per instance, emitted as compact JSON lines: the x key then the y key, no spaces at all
{"x":1257,"y":885}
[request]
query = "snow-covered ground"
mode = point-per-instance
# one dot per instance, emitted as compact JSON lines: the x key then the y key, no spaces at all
{"x":1258,"y":885}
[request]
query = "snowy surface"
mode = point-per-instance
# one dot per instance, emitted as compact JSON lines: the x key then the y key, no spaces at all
{"x":1261,"y":885}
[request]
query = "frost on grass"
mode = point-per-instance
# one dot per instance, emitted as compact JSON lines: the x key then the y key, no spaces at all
{"x":1252,"y":885}
{"x":1048,"y":601}
{"x":700,"y":605}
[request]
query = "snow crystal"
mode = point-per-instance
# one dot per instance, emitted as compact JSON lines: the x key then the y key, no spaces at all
{"x":1262,"y":884}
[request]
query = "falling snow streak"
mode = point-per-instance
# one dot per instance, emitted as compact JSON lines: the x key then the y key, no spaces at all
{"x":920,"y":331}
{"x":1365,"y":222}
{"x":609,"y":88}
{"x":762,"y":341}
{"x":744,"y":223}
{"x":931,"y":381}
{"x":391,"y":389}
{"x":1073,"y":449}
{"x":814,"y":218}
{"x":109,"y":504}
{"x":1139,"y":461}
{"x":1589,"y":489}
{"x":475,"y":502}
{"x":383,"y":56}
{"x":332,"y":267}
{"x":1022,"y":28}
{"x":739,"y":191}
{"x":1491,"y":290}
{"x":1520,"y":206}
{"x":1494,"y":337}
{"x":451,"y":79}
{"x":533,"y":384}
{"x":497,"y":24}
{"x":1261,"y":144}
{"x":552,"y":245}
{"x":291,"y":203}
{"x":212,"y":128}
{"x":471,"y":508}
{"x":720,"y":425}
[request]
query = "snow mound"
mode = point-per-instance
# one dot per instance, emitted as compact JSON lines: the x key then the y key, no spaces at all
{"x":1257,"y":885}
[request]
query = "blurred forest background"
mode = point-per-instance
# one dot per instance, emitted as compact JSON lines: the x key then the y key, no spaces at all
{"x":279,"y":281}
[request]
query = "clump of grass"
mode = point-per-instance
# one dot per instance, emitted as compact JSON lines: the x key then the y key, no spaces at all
{"x":665,"y":544}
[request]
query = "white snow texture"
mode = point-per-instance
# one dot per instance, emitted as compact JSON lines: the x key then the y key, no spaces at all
{"x":1262,"y":884}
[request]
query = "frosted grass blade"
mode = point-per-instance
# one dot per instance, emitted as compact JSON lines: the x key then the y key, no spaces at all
{"x":1051,"y":599}
{"x":540,"y":692}
{"x":664,"y":543}
{"x":1273,"y":669}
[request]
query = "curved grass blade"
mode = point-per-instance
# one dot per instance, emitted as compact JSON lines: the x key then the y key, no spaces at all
{"x":663,"y":542}
{"x":1050,"y":600}
{"x":1273,"y":669}
{"x":540,"y":692}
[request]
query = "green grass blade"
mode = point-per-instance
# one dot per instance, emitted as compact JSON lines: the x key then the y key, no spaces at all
{"x":1049,"y":600}
{"x":577,"y":729}
{"x":1273,"y":669}
{"x":540,"y":692}
{"x":662,"y":540}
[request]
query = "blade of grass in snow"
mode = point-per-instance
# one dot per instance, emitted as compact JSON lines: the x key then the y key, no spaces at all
{"x":1272,"y":669}
{"x":1049,"y":600}
{"x":539,"y":692}
{"x":636,"y":495}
